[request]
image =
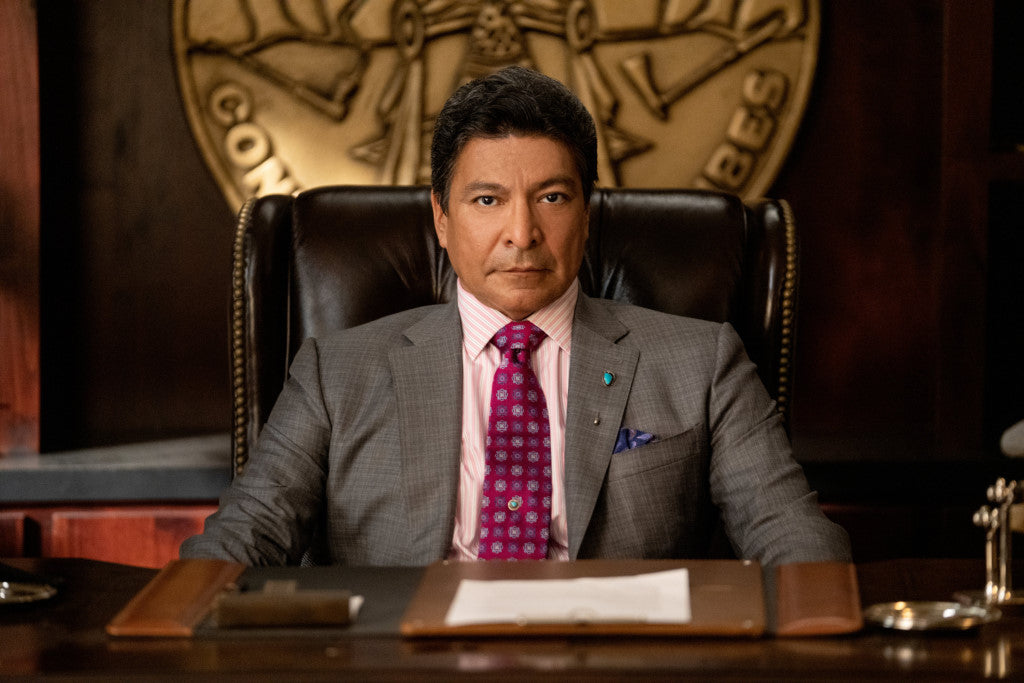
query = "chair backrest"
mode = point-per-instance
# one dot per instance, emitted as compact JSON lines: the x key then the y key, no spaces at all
{"x":334,"y":257}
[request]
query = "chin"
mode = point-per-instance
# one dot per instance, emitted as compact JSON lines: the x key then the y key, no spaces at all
{"x":521,"y":309}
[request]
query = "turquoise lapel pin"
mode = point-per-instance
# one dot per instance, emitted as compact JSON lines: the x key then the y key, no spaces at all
{"x":609,"y":377}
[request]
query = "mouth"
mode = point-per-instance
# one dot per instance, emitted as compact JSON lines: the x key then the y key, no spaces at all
{"x":523,"y":269}
{"x":522,"y":275}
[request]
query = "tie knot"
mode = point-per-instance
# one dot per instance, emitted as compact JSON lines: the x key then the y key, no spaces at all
{"x":518,"y":334}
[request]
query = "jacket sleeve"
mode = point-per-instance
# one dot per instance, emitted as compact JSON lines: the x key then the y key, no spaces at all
{"x":769,"y":512}
{"x":267,"y":515}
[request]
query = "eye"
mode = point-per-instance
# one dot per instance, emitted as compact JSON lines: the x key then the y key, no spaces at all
{"x":486,"y":200}
{"x":554,"y":198}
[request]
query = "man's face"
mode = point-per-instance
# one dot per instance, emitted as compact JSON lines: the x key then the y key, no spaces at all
{"x":516,"y":222}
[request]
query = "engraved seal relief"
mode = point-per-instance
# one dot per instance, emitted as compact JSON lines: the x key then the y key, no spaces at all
{"x":284,"y":95}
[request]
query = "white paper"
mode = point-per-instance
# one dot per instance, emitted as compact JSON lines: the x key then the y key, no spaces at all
{"x":355,"y":603}
{"x":658,"y":597}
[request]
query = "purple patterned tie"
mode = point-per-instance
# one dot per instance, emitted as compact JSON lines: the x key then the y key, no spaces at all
{"x":515,"y":511}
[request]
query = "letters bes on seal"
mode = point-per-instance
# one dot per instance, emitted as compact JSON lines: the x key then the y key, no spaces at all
{"x":286,"y":95}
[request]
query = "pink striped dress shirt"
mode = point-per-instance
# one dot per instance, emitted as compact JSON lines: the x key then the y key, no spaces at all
{"x":479,"y":361}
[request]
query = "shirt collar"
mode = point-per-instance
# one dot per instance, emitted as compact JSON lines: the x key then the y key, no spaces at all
{"x":480,"y":322}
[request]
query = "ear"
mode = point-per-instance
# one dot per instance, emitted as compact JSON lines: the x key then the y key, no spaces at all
{"x":440,"y":219}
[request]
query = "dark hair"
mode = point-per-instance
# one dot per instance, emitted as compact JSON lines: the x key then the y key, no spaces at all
{"x":512,"y":101}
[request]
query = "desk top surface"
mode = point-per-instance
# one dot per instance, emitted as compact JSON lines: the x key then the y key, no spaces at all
{"x":64,"y":637}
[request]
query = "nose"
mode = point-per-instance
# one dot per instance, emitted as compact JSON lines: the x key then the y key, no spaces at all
{"x":522,"y":230}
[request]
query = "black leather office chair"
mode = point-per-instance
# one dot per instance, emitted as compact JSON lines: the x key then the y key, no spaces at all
{"x":334,"y":257}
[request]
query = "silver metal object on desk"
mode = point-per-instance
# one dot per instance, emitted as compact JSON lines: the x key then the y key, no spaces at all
{"x":975,"y":608}
{"x":17,"y":592}
{"x":18,"y":586}
{"x":996,"y":520}
{"x":929,"y":616}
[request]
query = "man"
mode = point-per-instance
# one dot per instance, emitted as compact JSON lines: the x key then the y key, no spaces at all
{"x":526,"y":419}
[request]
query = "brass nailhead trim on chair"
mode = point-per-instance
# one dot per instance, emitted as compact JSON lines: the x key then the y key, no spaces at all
{"x":239,"y":445}
{"x":788,"y":311}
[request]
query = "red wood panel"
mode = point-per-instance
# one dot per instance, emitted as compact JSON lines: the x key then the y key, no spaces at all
{"x":12,"y":534}
{"x":19,"y":228}
{"x":146,"y":536}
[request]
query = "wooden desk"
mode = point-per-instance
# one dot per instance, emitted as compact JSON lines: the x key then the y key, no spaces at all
{"x":64,"y":638}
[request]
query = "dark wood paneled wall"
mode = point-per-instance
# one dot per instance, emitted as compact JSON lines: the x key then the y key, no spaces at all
{"x":19,"y":228}
{"x":889,"y":178}
{"x":136,"y":238}
{"x":864,"y":182}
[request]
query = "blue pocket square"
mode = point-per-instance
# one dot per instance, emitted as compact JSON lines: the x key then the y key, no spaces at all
{"x":631,"y":438}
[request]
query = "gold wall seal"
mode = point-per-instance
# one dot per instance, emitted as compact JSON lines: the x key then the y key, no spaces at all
{"x":284,"y":95}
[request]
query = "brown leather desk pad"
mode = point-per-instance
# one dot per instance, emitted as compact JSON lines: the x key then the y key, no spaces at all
{"x":726,"y":598}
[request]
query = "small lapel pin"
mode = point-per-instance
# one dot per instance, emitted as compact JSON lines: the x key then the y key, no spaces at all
{"x":608,"y":378}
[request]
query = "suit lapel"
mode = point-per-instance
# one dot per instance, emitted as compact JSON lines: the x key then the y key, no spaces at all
{"x":427,"y":375}
{"x":595,"y":409}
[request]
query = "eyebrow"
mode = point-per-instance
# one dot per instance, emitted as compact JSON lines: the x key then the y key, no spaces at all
{"x":483,"y":186}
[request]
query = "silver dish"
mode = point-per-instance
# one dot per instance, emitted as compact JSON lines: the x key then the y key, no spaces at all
{"x":16,"y":592}
{"x":929,"y":616}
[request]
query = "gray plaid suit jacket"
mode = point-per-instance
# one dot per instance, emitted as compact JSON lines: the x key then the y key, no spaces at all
{"x":359,"y":459}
